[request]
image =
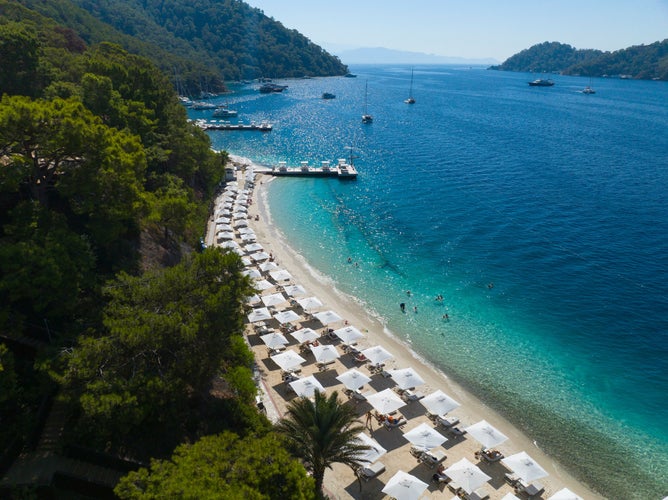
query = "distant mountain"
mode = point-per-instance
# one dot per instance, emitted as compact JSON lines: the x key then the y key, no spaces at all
{"x":648,"y":62}
{"x":381,"y":55}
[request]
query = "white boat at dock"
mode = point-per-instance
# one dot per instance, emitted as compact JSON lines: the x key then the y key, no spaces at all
{"x":342,"y":170}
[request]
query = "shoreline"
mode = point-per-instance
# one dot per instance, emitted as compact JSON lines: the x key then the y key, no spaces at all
{"x":338,"y":482}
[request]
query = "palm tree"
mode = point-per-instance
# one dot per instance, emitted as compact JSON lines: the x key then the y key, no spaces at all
{"x":323,"y":432}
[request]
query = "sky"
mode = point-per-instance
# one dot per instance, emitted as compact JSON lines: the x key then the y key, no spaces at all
{"x":471,"y":28}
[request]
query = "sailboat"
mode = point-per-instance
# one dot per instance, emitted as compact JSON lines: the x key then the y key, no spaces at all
{"x":366,"y":117}
{"x":588,"y":89}
{"x":410,"y":99}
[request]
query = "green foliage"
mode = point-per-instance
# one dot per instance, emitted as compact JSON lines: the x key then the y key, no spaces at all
{"x":8,"y":381}
{"x":322,"y":432}
{"x":168,"y":333}
{"x":222,"y":466}
{"x":19,"y":51}
{"x":643,"y":62}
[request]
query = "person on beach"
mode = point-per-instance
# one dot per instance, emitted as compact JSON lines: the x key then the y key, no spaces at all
{"x":369,"y":420}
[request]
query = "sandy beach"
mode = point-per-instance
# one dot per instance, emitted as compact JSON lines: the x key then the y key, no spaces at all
{"x":341,"y":482}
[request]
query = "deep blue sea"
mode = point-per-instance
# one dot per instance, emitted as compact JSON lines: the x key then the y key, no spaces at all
{"x":539,"y":214}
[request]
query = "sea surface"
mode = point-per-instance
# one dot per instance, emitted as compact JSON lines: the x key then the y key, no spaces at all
{"x":539,"y":214}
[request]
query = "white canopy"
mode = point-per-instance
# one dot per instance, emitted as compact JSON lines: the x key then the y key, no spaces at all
{"x":353,"y":379}
{"x":252,"y":272}
{"x":263,"y":285}
{"x":288,"y":360}
{"x":327,"y":317}
{"x":403,"y":486}
{"x":385,"y":401}
{"x":524,"y":466}
{"x":305,"y":335}
{"x":486,"y":434}
{"x":439,"y":403}
{"x":467,"y":475}
{"x":377,"y":354}
{"x":310,"y":303}
{"x":274,"y":340}
{"x":425,"y":437}
{"x":273,"y":299}
{"x":324,"y":353}
{"x":280,"y":275}
{"x":253,"y":247}
{"x":406,"y":378}
{"x":229,"y":244}
{"x":295,"y":290}
{"x":348,"y":334}
{"x":258,"y":256}
{"x":565,"y":494}
{"x":268,"y":266}
{"x":225,"y":235}
{"x":259,"y":314}
{"x":287,"y":316}
{"x":374,"y":452}
{"x":306,"y":387}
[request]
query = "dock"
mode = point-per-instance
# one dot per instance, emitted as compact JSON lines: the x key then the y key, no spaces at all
{"x":342,"y":170}
{"x":261,"y":127}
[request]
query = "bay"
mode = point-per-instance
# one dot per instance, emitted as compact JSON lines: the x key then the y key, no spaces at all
{"x":539,"y":214}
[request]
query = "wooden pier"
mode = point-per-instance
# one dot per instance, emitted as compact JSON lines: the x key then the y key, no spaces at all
{"x":342,"y":170}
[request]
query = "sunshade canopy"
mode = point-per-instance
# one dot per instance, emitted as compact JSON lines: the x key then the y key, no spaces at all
{"x":403,"y":486}
{"x":385,"y":401}
{"x":273,"y":299}
{"x":348,"y":334}
{"x":406,"y":378}
{"x":288,"y":360}
{"x":310,"y":303}
{"x":524,"y":466}
{"x":295,"y":290}
{"x":467,"y":475}
{"x":324,"y":353}
{"x":306,"y":387}
{"x":305,"y":335}
{"x":439,"y":403}
{"x":288,"y":316}
{"x":377,"y":354}
{"x":353,"y":379}
{"x":486,"y":434}
{"x":274,"y":340}
{"x":327,"y":317}
{"x":259,"y":314}
{"x":374,"y":452}
{"x":425,"y":437}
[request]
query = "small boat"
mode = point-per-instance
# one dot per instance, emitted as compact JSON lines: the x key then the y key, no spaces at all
{"x":200,"y":105}
{"x":366,"y":117}
{"x":410,"y":99}
{"x":540,"y":82}
{"x":269,"y":88}
{"x":225,"y":112}
{"x":588,"y":90}
{"x":327,"y":95}
{"x":350,"y":75}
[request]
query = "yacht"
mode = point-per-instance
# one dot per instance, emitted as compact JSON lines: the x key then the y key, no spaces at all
{"x":225,"y":112}
{"x":540,"y":82}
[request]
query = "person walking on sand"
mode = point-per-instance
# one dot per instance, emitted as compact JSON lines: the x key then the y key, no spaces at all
{"x":369,"y":420}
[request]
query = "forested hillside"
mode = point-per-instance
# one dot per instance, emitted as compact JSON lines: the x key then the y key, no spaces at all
{"x":191,"y":41}
{"x":96,"y":158}
{"x":649,"y":62}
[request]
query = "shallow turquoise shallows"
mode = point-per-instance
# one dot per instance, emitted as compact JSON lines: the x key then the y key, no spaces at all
{"x":539,"y":214}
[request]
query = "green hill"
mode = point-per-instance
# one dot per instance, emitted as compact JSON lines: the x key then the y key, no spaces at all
{"x":200,"y":44}
{"x":649,"y":62}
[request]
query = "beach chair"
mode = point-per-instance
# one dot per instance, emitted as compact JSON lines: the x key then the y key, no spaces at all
{"x":479,"y":494}
{"x":394,"y":423}
{"x":433,"y":458}
{"x":370,"y":471}
{"x":324,"y":365}
{"x":455,"y":431}
{"x":529,"y":490}
{"x":446,"y":422}
{"x":409,"y":396}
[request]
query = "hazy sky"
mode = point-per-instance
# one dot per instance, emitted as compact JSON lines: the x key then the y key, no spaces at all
{"x":472,"y":28}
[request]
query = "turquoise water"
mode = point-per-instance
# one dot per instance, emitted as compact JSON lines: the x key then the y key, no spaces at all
{"x":556,"y":198}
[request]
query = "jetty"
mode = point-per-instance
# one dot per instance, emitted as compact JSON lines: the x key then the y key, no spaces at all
{"x":342,"y":170}
{"x":260,"y":127}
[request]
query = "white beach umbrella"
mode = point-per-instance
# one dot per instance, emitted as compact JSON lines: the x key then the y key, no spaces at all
{"x":223,"y":220}
{"x":327,"y":317}
{"x":239,"y":216}
{"x":288,"y":360}
{"x":273,"y":299}
{"x":353,"y":379}
{"x":324,"y":353}
{"x":310,"y":303}
{"x":377,"y":354}
{"x":467,"y":475}
{"x":403,"y":486}
{"x":439,"y":403}
{"x":225,"y":235}
{"x":248,"y":237}
{"x":305,"y":335}
{"x":259,"y":256}
{"x":306,"y":387}
{"x":280,"y":275}
{"x":565,"y":494}
{"x":253,"y":247}
{"x":240,"y":223}
{"x":232,"y":245}
{"x":348,"y":334}
{"x":245,"y":230}
{"x":524,"y":466}
{"x":295,"y":290}
{"x":240,"y":208}
{"x":406,"y":378}
{"x":509,"y":496}
{"x":268,"y":266}
{"x":253,"y":299}
{"x":259,"y":314}
{"x":252,"y":273}
{"x":425,"y":437}
{"x":486,"y":434}
{"x":263,"y":285}
{"x":246,"y":261}
{"x":224,"y":227}
{"x":287,"y":316}
{"x":385,"y":401}
{"x":274,"y":340}
{"x":374,"y":452}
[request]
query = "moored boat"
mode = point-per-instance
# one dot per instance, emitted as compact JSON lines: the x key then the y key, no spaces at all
{"x":541,"y":82}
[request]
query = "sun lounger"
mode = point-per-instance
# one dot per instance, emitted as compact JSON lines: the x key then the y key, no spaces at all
{"x":530,"y":490}
{"x":511,"y":478}
{"x":489,"y":456}
{"x":447,"y":422}
{"x":361,"y":358}
{"x":417,"y":451}
{"x":455,"y":431}
{"x":409,"y":396}
{"x":395,"y":423}
{"x":324,"y":365}
{"x":357,"y":396}
{"x":370,"y":471}
{"x":479,"y":494}
{"x":433,"y":458}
